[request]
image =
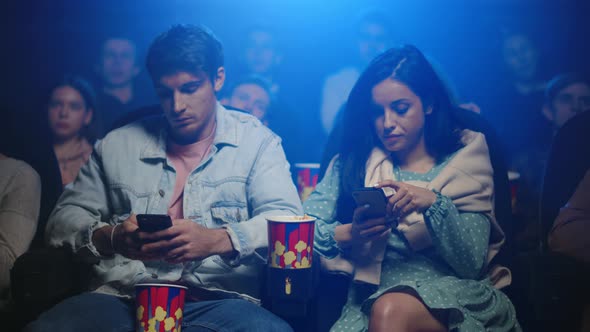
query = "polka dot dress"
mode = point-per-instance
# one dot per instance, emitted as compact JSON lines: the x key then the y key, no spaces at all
{"x":449,"y":275}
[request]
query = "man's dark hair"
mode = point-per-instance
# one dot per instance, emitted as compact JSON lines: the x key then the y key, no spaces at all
{"x":561,"y":82}
{"x":185,"y":48}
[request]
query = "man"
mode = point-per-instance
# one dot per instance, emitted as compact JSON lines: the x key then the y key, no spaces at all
{"x":117,"y":69}
{"x":251,"y":94}
{"x":262,"y":56}
{"x":217,"y":173}
{"x":565,"y":96}
{"x":373,"y":37}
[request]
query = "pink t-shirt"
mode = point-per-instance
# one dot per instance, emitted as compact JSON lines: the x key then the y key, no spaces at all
{"x":185,"y":158}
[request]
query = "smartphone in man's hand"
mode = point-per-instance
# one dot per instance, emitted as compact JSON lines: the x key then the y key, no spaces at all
{"x":373,"y":197}
{"x":153,"y":222}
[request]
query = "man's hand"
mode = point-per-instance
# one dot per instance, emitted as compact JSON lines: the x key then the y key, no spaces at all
{"x":186,"y":241}
{"x":122,"y":239}
{"x":407,"y":199}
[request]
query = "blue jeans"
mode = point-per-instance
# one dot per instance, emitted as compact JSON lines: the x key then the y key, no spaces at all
{"x":90,"y":312}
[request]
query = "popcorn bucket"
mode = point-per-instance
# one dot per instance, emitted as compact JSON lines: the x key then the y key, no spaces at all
{"x":290,"y":253}
{"x":159,"y":307}
{"x":307,"y":178}
{"x":290,"y":242}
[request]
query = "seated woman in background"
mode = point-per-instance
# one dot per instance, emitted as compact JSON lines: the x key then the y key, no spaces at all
{"x":423,"y":265}
{"x":20,"y":195}
{"x":70,"y":110}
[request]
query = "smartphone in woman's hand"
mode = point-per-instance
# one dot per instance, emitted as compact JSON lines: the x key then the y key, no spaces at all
{"x":373,"y":197}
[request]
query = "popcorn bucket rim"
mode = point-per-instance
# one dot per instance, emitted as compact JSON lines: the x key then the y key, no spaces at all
{"x":159,"y":285}
{"x":306,"y":165}
{"x":282,"y":219}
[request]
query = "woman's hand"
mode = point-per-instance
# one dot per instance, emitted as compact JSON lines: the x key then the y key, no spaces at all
{"x":407,"y":199}
{"x":364,"y":229}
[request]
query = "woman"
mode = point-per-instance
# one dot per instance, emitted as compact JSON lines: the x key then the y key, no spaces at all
{"x":70,"y":110}
{"x":423,"y":265}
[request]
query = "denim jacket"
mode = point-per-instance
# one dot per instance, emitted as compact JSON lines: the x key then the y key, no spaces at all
{"x":244,"y":178}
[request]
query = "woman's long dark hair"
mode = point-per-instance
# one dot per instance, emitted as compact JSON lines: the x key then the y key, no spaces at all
{"x":441,"y":134}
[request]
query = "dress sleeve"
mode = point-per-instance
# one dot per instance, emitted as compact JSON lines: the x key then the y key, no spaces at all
{"x":321,"y":204}
{"x":460,"y":238}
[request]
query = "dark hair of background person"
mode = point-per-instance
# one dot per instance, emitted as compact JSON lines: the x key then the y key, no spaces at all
{"x":409,"y":66}
{"x":250,"y":79}
{"x":85,"y":90}
{"x":185,"y":48}
{"x":119,"y":34}
{"x":561,"y":82}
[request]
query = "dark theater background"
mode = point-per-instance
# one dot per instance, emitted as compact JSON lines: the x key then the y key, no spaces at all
{"x":44,"y":39}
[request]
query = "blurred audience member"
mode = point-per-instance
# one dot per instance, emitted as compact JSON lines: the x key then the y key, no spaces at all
{"x":373,"y":36}
{"x":119,"y":93}
{"x":515,"y":106}
{"x":251,"y":94}
{"x":565,"y":96}
{"x":70,"y":110}
{"x":262,"y":57}
{"x":20,"y":194}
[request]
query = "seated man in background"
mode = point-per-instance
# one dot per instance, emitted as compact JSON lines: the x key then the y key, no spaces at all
{"x":216,"y":173}
{"x":251,"y":94}
{"x":20,"y":195}
{"x":565,"y":96}
{"x":119,"y":92}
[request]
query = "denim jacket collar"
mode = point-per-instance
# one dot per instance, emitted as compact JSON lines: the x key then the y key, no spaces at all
{"x":225,"y":134}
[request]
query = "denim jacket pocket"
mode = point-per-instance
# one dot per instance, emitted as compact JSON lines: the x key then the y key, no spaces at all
{"x":126,"y":200}
{"x":223,"y":213}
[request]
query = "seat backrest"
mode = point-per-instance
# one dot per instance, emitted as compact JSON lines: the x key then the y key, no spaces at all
{"x":502,"y":202}
{"x":32,"y":146}
{"x":569,"y":160}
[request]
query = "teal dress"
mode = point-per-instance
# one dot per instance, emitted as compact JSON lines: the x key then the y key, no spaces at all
{"x":449,"y":276}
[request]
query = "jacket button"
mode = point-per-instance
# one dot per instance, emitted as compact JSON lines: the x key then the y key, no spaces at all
{"x":155,"y":276}
{"x":161,"y":192}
